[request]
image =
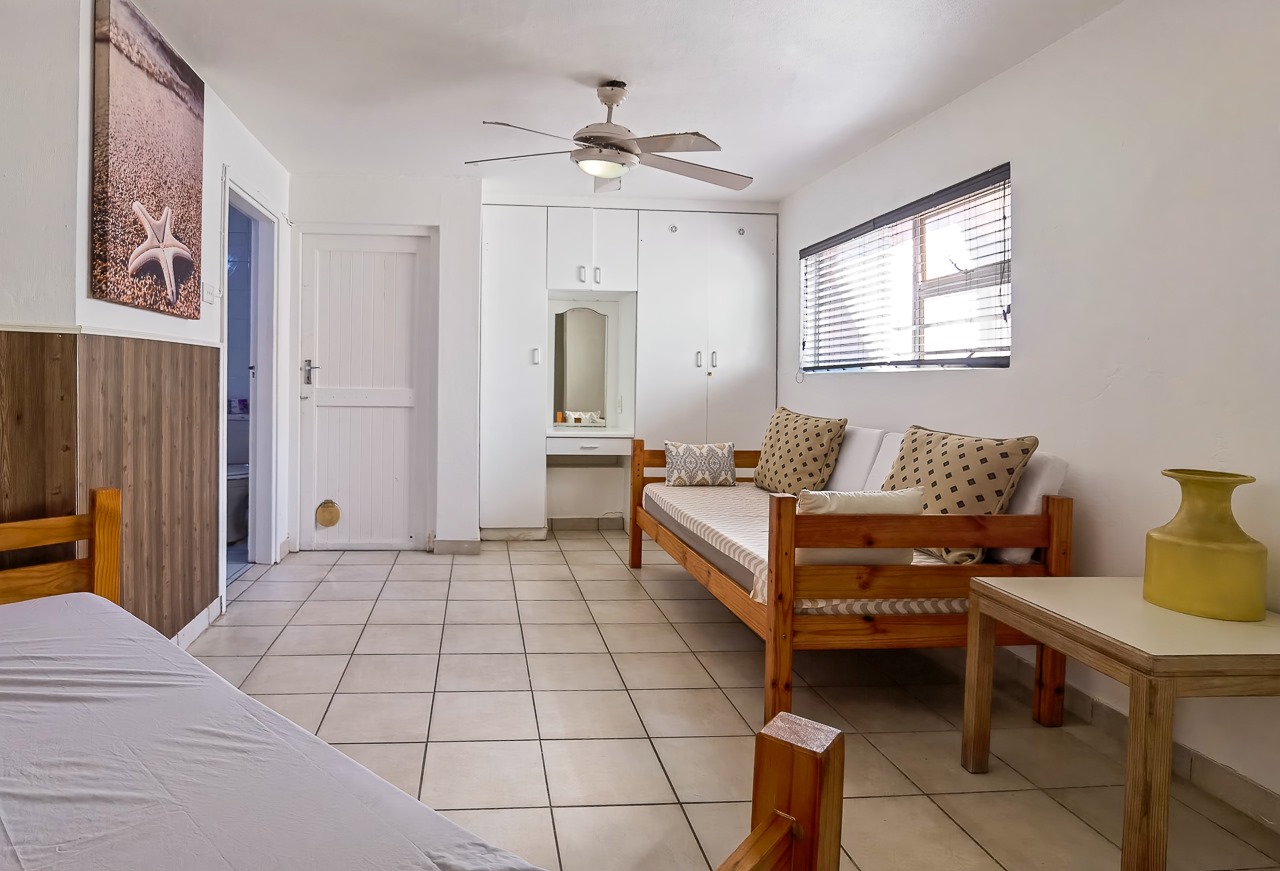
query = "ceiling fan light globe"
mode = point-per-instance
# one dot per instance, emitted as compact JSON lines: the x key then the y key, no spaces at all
{"x":603,"y":168}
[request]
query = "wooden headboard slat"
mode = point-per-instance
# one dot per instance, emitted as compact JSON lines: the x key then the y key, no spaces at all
{"x":98,"y":573}
{"x":48,"y":579}
{"x":47,"y":530}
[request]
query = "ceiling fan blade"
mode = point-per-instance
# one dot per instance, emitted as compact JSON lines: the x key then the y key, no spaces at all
{"x":604,"y":185}
{"x":514,"y":157}
{"x":527,"y":130}
{"x":724,"y":178}
{"x":675,"y":142}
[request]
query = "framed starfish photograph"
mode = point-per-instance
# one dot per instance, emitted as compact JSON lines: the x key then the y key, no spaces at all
{"x":148,"y":166}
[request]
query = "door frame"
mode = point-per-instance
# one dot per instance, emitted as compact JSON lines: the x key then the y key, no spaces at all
{"x":424,"y":361}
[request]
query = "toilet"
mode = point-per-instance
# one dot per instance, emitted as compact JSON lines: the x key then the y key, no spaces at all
{"x":237,"y":479}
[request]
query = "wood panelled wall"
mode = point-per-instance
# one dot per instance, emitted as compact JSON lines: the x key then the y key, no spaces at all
{"x":149,"y":425}
{"x":37,"y":434}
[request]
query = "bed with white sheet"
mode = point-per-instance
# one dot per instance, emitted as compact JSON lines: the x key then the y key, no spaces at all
{"x":120,"y":752}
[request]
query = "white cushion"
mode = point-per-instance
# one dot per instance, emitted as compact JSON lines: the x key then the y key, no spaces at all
{"x":889,"y":447}
{"x":1044,"y":476}
{"x":856,"y":454}
{"x":905,"y":502}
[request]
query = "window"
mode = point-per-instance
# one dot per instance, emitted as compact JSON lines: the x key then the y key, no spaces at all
{"x":925,"y":285}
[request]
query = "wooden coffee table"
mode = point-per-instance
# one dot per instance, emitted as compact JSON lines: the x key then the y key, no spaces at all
{"x":1161,"y":655}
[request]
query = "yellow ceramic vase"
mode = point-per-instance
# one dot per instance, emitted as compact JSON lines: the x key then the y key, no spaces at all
{"x":1201,"y":562}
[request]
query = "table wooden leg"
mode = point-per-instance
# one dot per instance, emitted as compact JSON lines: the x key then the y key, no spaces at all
{"x":975,"y":750}
{"x":1148,"y":768}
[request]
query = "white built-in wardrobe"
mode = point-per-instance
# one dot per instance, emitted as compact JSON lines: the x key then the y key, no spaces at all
{"x":701,"y":365}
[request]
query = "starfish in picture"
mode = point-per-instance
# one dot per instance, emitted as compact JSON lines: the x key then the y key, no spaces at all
{"x":160,"y":246}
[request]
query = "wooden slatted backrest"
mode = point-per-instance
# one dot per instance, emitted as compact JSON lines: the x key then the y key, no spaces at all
{"x":99,"y":572}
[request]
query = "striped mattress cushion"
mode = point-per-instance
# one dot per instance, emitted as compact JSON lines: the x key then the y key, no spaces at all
{"x":735,"y":521}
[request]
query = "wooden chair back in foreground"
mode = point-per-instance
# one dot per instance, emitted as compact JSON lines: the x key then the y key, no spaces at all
{"x":98,"y":573}
{"x":796,"y":799}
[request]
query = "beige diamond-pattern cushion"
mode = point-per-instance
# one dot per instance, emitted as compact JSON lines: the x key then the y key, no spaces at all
{"x":701,"y":465}
{"x":799,"y":452}
{"x":960,"y":474}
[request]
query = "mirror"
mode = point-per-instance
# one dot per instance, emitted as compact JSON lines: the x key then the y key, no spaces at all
{"x":581,"y":367}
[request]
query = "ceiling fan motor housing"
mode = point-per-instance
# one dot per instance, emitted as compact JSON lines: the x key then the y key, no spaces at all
{"x":608,"y":135}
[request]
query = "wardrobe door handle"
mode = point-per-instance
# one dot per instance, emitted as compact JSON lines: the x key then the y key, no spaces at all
{"x":697,"y":359}
{"x":537,"y":356}
{"x":597,"y":275}
{"x":713,"y":359}
{"x":582,"y":274}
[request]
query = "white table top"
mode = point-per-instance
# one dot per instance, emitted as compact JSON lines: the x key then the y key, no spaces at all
{"x":1114,"y":607}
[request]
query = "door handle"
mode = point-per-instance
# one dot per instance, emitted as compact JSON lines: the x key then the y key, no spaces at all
{"x":597,"y":275}
{"x":697,"y":360}
{"x":582,"y":274}
{"x":537,"y":356}
{"x":307,"y":369}
{"x":714,"y":355}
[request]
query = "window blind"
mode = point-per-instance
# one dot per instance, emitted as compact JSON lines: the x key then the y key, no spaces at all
{"x":922,"y":286}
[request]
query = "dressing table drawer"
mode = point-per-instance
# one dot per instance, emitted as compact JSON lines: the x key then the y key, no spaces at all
{"x":579,"y":446}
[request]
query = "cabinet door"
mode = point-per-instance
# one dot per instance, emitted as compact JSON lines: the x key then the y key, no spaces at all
{"x":671,"y":328}
{"x":742,"y":302}
{"x":569,"y":249}
{"x":513,"y":360}
{"x":614,"y":266}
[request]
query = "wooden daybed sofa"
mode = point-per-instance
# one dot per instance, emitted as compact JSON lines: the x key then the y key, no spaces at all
{"x":838,"y":607}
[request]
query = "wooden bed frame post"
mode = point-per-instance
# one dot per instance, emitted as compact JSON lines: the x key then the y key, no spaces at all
{"x":636,"y":541}
{"x":778,"y":652}
{"x":796,"y":802}
{"x":104,"y":543}
{"x":1051,"y":665}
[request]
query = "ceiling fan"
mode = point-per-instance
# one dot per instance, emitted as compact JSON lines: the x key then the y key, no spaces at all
{"x":608,"y":151}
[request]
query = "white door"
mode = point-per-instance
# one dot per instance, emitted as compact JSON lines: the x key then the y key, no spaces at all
{"x":614,"y":261}
{"x":742,"y":301}
{"x":569,"y":235}
{"x":672,"y":359}
{"x":364,"y":438}
{"x":514,"y":409}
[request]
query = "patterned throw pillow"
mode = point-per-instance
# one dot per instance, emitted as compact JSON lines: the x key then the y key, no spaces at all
{"x":960,"y":475}
{"x":701,"y":465}
{"x":799,"y":452}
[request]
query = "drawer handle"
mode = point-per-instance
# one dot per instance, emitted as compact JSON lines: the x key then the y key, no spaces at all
{"x":588,"y":447}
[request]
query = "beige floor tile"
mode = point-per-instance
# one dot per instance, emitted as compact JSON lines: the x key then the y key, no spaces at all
{"x":577,"y":714}
{"x":626,"y":612}
{"x":368,"y":557}
{"x":604,"y":772}
{"x":720,"y":827}
{"x":638,"y":838}
{"x":423,"y":558}
{"x":1029,"y":830}
{"x":805,"y":702}
{"x":232,"y":669}
{"x":312,"y":557}
{"x":397,"y":764}
{"x":651,"y":572}
{"x":569,"y":545}
{"x":696,"y":611}
{"x":253,"y":572}
{"x":375,"y":718}
{"x":305,"y":709}
{"x":343,"y":572}
{"x":602,"y":573}
{"x":564,"y":534}
{"x":234,"y":641}
{"x":483,"y":716}
{"x":482,"y":591}
{"x":688,"y":713}
{"x":295,"y":573}
{"x":420,"y":572}
{"x":657,"y":671}
{"x":332,"y":613}
{"x":547,"y":590}
{"x":708,"y":769}
{"x":882,"y":709}
{"x":849,"y":668}
{"x":493,"y":546}
{"x":358,"y":590}
{"x":735,"y":668}
{"x":480,"y":572}
{"x":1052,"y":758}
{"x":947,"y":701}
{"x":680,"y":589}
{"x":719,"y":637}
{"x":550,"y":557}
{"x":642,"y":638}
{"x":403,"y":611}
{"x":483,"y":774}
{"x":261,"y":591}
{"x":1195,"y":843}
{"x":608,"y":591}
{"x":257,"y":614}
{"x":554,"y":612}
{"x":482,"y":638}
{"x":414,"y":590}
{"x":400,"y":638}
{"x":526,"y":832}
{"x":932,"y":761}
{"x":295,"y":674}
{"x":592,"y":558}
{"x":390,"y":673}
{"x":480,"y":672}
{"x":514,"y":547}
{"x":484,"y":558}
{"x":573,"y":671}
{"x":1252,"y":831}
{"x":238,"y":588}
{"x":541,"y":573}
{"x":562,"y":638}
{"x":460,"y":611}
{"x":909,"y":832}
{"x":313,"y":640}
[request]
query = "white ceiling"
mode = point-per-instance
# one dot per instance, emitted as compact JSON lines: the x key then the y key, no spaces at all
{"x":789,"y":89}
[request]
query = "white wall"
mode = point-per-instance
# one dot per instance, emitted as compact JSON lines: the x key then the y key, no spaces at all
{"x":452,"y":206}
{"x":1145,"y":158}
